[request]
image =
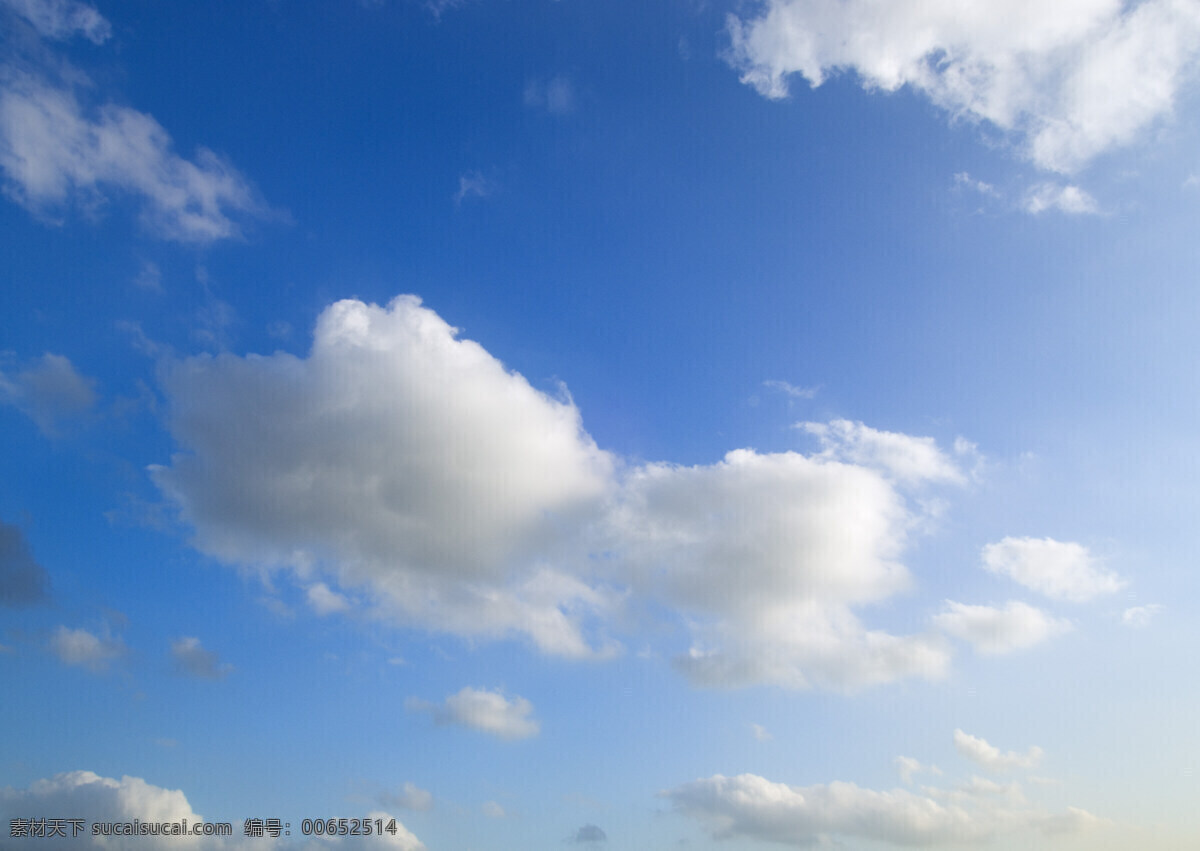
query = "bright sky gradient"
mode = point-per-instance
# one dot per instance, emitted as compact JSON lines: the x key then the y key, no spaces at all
{"x":602,"y":424}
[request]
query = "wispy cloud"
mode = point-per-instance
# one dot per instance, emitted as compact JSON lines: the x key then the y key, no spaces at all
{"x":791,"y":390}
{"x":62,"y":19}
{"x":556,"y":95}
{"x":60,"y":147}
{"x":473,"y":184}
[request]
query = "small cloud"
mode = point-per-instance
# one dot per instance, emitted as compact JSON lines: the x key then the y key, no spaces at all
{"x":166,"y":743}
{"x":994,"y":631}
{"x":325,"y":601}
{"x":48,"y":391}
{"x":192,"y":659}
{"x":760,"y":733}
{"x":1061,"y":570}
{"x":791,"y":390}
{"x":279,"y":329}
{"x":23,"y":581}
{"x":473,"y":184}
{"x":1066,"y":199}
{"x":990,"y":757}
{"x":84,"y":649}
{"x":589,"y":833}
{"x":487,"y":711}
{"x":1140,"y":616}
{"x":411,"y":797}
{"x":556,"y":95}
{"x":493,"y":810}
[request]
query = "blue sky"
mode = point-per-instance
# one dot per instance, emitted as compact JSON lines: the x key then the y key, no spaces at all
{"x":721,"y":425}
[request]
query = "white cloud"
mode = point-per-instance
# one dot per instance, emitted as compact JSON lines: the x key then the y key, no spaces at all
{"x":902,"y":457}
{"x":85,"y":649}
{"x":990,"y":757}
{"x":397,"y":457}
{"x":749,"y":806}
{"x":62,"y":19}
{"x":411,"y":797}
{"x":487,"y":711}
{"x":409,"y":465}
{"x":88,"y":796}
{"x":48,"y":391}
{"x":22,"y":580}
{"x":760,"y":733}
{"x":192,"y":659}
{"x":994,"y":631}
{"x":1067,"y":81}
{"x":325,"y":601}
{"x":1060,"y":570}
{"x":764,"y":556}
{"x":493,"y":810}
{"x":1064,"y":199}
{"x":54,"y":150}
{"x":1140,"y":616}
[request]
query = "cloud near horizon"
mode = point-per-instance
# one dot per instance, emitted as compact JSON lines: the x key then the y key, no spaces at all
{"x":94,"y":798}
{"x":753,"y":807}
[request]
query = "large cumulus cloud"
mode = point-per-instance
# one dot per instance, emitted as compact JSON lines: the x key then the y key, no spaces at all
{"x":403,"y":470}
